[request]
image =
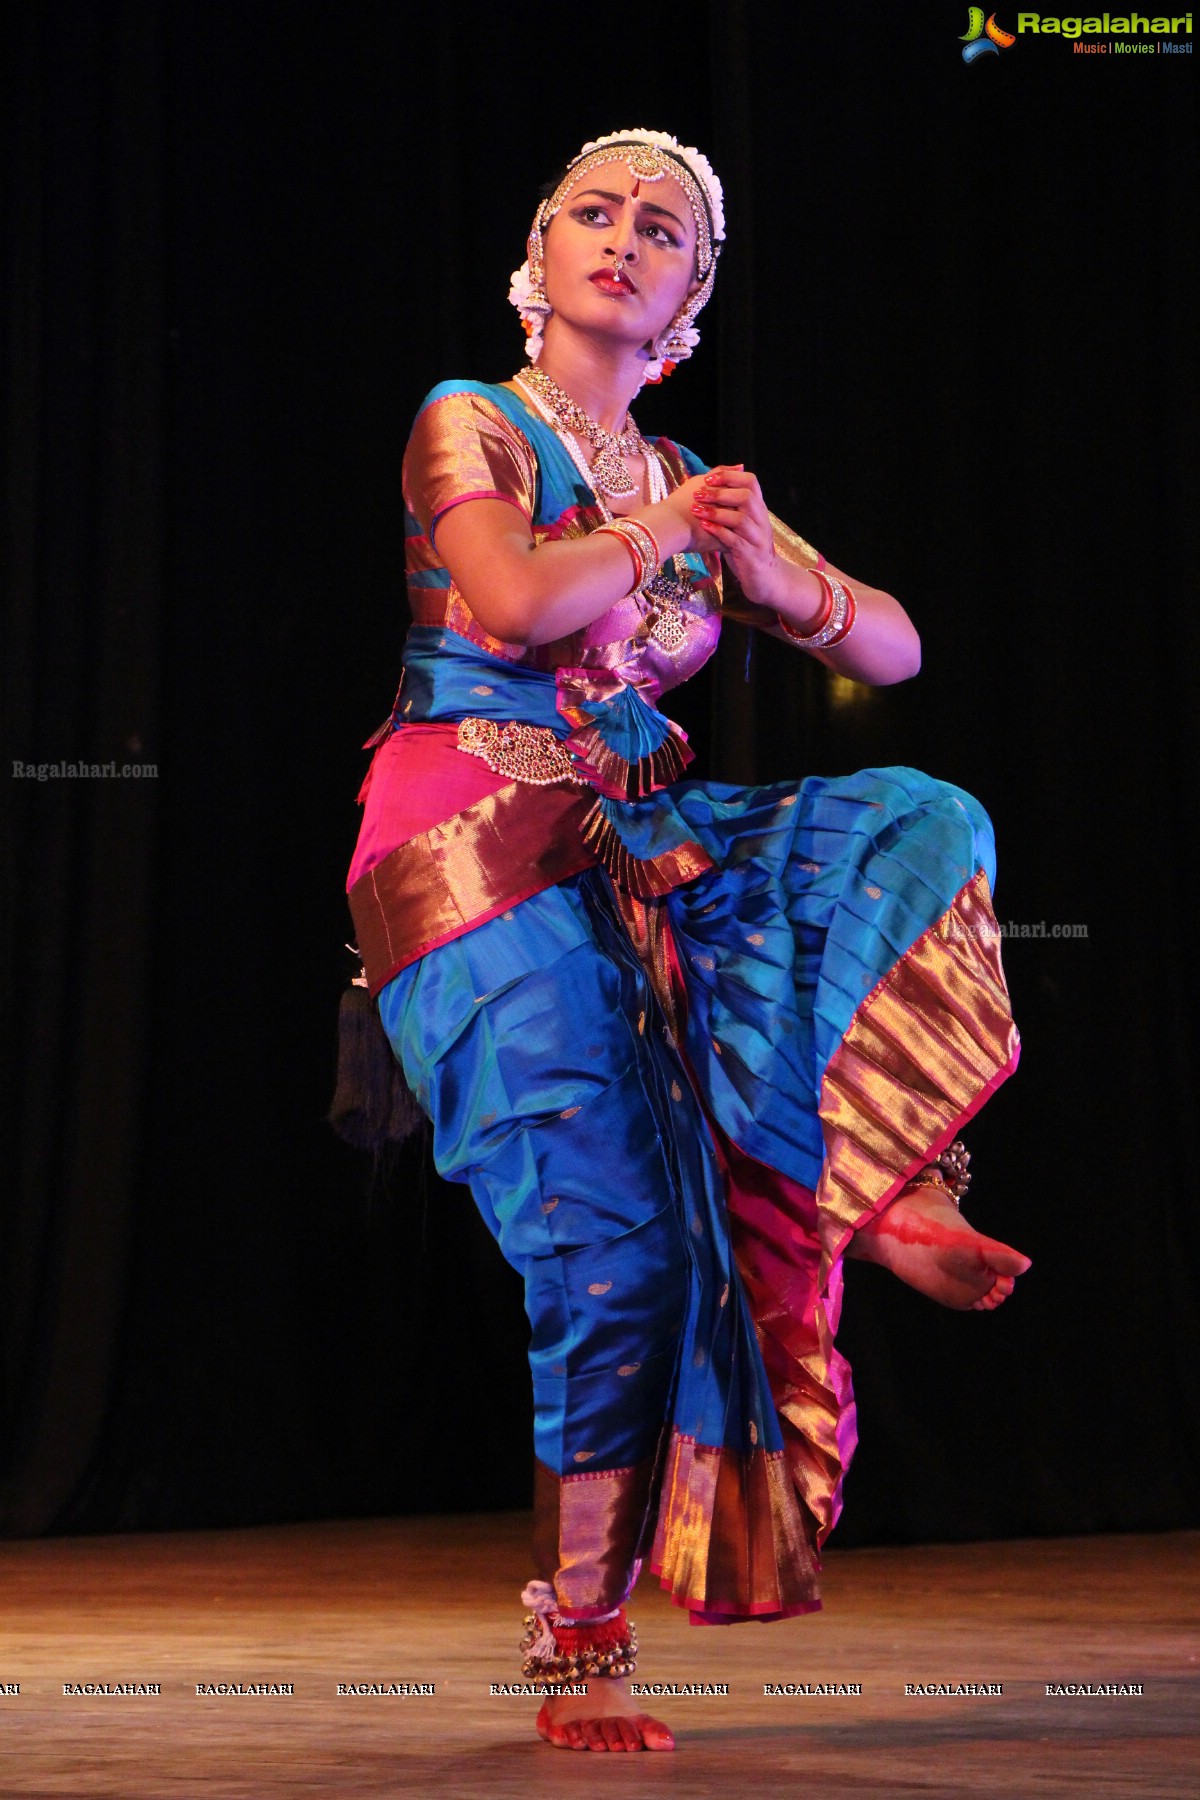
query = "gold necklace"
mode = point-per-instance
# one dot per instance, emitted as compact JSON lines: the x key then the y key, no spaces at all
{"x":660,"y":600}
{"x":608,"y":468}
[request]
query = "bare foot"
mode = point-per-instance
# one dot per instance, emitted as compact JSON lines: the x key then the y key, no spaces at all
{"x":607,"y":1717}
{"x":923,"y":1238}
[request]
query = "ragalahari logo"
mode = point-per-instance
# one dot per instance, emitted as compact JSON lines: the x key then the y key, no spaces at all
{"x":983,"y":39}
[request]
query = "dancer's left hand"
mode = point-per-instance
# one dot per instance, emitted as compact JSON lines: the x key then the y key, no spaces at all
{"x":730,"y":506}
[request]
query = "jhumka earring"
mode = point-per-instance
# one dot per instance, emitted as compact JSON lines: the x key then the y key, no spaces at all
{"x":680,"y":338}
{"x":528,"y":290}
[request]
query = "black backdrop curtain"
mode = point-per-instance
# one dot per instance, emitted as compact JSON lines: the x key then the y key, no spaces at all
{"x":953,"y":335}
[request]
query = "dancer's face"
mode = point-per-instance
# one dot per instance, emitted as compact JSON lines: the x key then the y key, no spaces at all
{"x":649,"y":233}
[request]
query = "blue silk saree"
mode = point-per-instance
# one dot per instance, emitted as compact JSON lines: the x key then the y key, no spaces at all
{"x":681,"y":1039}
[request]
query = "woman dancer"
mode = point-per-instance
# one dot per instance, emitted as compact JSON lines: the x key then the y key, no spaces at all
{"x":689,"y":1044}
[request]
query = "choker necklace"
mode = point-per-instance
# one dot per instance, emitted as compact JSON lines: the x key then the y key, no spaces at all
{"x":608,"y":471}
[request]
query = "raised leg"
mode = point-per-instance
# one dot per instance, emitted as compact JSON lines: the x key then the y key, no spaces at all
{"x":925,"y":1241}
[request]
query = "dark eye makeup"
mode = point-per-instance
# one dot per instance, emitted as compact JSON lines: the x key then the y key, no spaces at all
{"x":582,"y":213}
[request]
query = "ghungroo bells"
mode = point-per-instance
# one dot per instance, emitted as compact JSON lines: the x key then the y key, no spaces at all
{"x":608,"y":1647}
{"x":949,"y":1171}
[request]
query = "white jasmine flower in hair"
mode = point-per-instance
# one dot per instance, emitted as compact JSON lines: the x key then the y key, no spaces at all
{"x":520,"y":293}
{"x":522,"y":286}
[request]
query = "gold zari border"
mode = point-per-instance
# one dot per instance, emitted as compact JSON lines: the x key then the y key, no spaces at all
{"x":921,"y":1054}
{"x":731,"y":1536}
{"x":588,"y":1531}
{"x":508,"y":845}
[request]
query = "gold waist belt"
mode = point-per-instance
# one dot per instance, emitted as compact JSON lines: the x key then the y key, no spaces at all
{"x":522,"y":752}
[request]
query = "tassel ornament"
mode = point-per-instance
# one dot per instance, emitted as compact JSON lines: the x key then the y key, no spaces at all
{"x":372,"y":1105}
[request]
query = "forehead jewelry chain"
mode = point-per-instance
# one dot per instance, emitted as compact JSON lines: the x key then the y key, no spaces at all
{"x":609,"y":473}
{"x":660,"y":600}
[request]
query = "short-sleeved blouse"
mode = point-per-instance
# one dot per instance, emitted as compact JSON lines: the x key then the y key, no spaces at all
{"x":482,"y":441}
{"x":477,"y":440}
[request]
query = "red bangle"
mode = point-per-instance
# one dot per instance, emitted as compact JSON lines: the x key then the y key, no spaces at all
{"x":837,"y":617}
{"x":804,"y":637}
{"x":639,"y":566}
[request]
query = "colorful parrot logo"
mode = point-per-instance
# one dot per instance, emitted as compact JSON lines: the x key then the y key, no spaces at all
{"x":982,"y":39}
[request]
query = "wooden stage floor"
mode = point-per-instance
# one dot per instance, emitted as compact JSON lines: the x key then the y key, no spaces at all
{"x":436,"y":1600}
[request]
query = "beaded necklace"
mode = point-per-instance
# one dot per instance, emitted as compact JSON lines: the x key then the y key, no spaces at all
{"x":660,"y":599}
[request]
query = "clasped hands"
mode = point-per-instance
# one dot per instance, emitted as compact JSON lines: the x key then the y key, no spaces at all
{"x":727,"y":514}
